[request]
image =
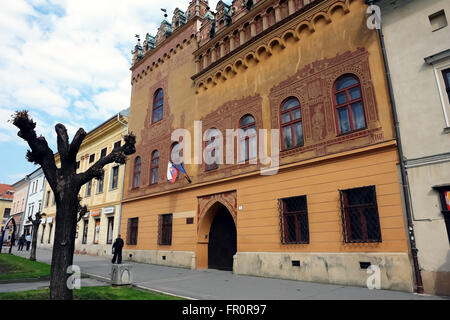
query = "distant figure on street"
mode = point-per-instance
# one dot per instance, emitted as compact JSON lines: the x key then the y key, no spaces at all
{"x":21,"y":242}
{"x":28,"y":239}
{"x":117,"y":250}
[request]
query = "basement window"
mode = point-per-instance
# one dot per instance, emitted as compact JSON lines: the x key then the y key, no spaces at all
{"x":438,"y":20}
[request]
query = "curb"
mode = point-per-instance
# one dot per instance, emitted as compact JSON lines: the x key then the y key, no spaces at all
{"x":107,"y":280}
{"x":25,"y":280}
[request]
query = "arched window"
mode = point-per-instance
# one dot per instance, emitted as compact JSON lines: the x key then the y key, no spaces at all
{"x":291,"y":124}
{"x":349,"y":105}
{"x":137,"y":172}
{"x":212,"y":154}
{"x":247,"y":138}
{"x":158,"y":105}
{"x":154,"y":168}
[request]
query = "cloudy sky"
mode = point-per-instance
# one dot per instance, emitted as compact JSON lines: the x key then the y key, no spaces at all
{"x":67,"y":61}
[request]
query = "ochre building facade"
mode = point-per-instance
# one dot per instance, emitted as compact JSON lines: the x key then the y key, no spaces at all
{"x":313,"y":70}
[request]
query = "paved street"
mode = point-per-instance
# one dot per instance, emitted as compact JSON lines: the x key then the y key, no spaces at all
{"x":222,"y":285}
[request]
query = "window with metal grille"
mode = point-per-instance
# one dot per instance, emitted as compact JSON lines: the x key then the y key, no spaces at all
{"x":132,"y":231}
{"x":294,"y":220}
{"x":360,"y":218}
{"x":165,"y":230}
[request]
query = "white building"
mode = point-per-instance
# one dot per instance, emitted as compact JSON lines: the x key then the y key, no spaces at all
{"x":35,"y":199}
{"x":417,"y":38}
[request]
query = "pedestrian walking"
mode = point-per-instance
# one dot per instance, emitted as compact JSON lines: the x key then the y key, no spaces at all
{"x":28,"y":240}
{"x":21,"y":242}
{"x":117,"y":250}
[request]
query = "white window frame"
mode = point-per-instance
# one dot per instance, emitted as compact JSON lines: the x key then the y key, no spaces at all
{"x":438,"y":68}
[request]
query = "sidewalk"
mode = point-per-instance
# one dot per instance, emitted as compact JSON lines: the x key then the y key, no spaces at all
{"x":223,"y":285}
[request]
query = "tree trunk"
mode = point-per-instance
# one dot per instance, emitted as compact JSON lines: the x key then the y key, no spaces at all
{"x":34,"y":241}
{"x":64,"y":244}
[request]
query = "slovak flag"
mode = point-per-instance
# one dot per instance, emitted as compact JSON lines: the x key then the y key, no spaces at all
{"x":172,"y":172}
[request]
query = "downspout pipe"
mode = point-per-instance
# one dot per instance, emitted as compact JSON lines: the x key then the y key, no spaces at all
{"x":123,"y":178}
{"x":404,"y":173}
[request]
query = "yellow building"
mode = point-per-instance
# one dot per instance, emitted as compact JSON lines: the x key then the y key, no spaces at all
{"x":6,"y":201}
{"x":97,"y":230}
{"x":312,"y":70}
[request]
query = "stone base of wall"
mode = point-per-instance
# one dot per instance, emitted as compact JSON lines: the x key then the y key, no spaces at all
{"x":332,"y":268}
{"x":100,"y":250}
{"x":436,"y":282}
{"x":181,"y":259}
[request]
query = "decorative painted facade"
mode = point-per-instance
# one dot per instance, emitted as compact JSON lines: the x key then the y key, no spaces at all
{"x":313,"y":71}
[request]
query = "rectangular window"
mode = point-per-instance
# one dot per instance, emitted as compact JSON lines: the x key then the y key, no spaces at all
{"x":7,"y":213}
{"x":446,"y":75}
{"x":444,"y":194}
{"x":360,"y":218}
{"x":78,"y":165}
{"x":88,"y":189}
{"x":132,"y":231}
{"x":48,"y":199}
{"x":85,"y":231}
{"x":97,"y":231}
{"x":117,"y":144}
{"x":42,"y":235}
{"x":109,"y":238}
{"x":115,"y":177}
{"x":165,"y":230}
{"x":100,"y":183}
{"x":92,"y":158}
{"x":294,"y":220}
{"x":103,"y":153}
{"x":50,"y":232}
{"x":54,"y":200}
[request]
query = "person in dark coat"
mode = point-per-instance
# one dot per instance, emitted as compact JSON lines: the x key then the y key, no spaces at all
{"x":117,"y":250}
{"x":21,"y":242}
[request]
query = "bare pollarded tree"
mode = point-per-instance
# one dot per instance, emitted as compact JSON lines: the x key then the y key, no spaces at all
{"x":66,"y":184}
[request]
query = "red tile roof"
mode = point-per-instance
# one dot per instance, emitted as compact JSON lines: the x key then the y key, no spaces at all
{"x":4,"y":188}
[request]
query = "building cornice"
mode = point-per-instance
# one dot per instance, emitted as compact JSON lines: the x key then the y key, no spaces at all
{"x":263,"y":43}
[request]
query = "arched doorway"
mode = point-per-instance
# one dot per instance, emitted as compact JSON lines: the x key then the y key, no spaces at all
{"x":222,"y":244}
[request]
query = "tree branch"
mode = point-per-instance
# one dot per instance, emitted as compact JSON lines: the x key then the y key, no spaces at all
{"x":118,"y":155}
{"x":76,"y":144}
{"x":40,"y":152}
{"x":63,"y":145}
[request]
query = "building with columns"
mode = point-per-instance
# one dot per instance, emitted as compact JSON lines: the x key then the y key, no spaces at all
{"x":314,"y":197}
